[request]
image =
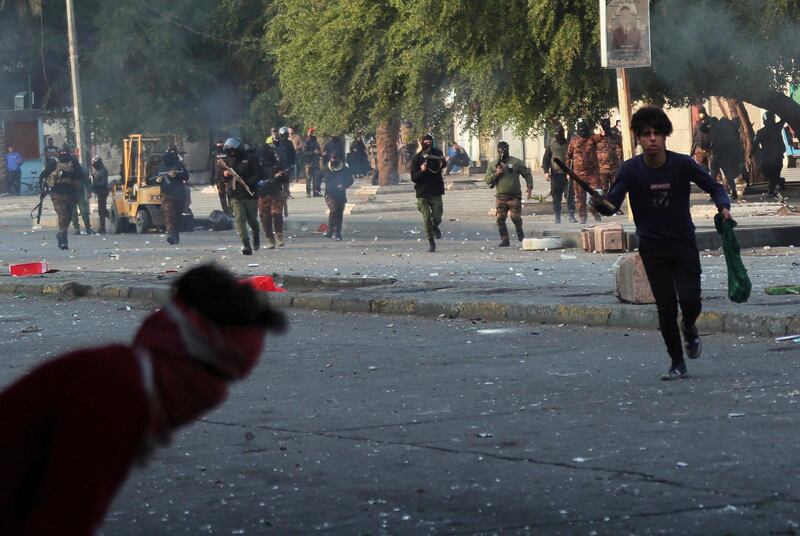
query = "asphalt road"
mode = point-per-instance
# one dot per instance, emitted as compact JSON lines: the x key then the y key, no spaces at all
{"x":397,"y":425}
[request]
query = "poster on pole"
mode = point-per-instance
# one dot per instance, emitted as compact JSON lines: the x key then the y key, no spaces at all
{"x":625,"y":33}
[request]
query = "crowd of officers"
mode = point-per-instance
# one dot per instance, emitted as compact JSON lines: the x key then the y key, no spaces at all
{"x":253,"y":182}
{"x":70,"y":189}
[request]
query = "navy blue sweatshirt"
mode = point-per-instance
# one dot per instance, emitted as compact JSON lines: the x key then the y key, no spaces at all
{"x":659,"y":196}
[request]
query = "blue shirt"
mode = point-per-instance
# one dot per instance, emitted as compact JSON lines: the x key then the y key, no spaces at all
{"x":13,"y":161}
{"x":659,"y":197}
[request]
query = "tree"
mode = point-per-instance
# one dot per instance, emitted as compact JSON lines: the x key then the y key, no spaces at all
{"x":351,"y":66}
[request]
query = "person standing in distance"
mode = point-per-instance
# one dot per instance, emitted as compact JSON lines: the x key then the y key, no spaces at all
{"x":659,"y":183}
{"x":100,"y":189}
{"x":503,"y":174}
{"x":426,"y":174}
{"x":769,"y":143}
{"x":338,"y":178}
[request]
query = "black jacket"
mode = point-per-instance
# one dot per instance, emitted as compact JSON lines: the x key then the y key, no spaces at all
{"x":173,"y":186}
{"x":249,"y":169}
{"x":337,"y":183}
{"x":270,"y":184}
{"x":769,"y":142}
{"x":286,"y":154}
{"x":74,"y":173}
{"x":99,"y":179}
{"x":427,"y":183}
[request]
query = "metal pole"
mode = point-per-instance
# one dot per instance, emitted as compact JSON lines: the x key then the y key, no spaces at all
{"x":76,"y":83}
{"x":624,"y":96}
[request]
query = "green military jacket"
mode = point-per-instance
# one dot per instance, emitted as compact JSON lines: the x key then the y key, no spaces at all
{"x":508,"y":183}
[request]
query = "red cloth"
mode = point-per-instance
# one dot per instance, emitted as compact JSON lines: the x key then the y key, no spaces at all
{"x":264,"y":283}
{"x":74,"y":426}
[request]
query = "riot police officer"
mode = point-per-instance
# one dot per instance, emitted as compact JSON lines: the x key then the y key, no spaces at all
{"x":241,"y":172}
{"x":63,"y":176}
{"x":172,"y":176}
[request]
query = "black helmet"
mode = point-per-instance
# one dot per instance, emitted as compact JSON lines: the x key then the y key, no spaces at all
{"x":172,"y":149}
{"x":283,"y":132}
{"x":232,"y":146}
{"x":64,"y":154}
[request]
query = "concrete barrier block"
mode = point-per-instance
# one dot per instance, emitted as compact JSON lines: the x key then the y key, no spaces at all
{"x":393,"y":306}
{"x":350,"y":304}
{"x":762,"y":325}
{"x":583,"y":314}
{"x":793,"y":325}
{"x":149,"y":293}
{"x":112,"y":292}
{"x":435,"y":308}
{"x":631,"y":281}
{"x":633,"y":317}
{"x":711,"y":321}
{"x":320,"y":302}
{"x":482,"y":309}
{"x":281,"y":299}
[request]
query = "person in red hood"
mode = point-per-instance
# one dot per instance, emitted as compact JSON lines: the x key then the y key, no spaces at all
{"x":74,"y":427}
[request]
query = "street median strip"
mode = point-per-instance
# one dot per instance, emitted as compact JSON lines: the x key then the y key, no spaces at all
{"x":357,"y":299}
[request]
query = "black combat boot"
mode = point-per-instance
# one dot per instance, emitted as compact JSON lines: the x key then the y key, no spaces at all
{"x":431,"y":245}
{"x":256,"y":240}
{"x":64,"y":242}
{"x":246,"y":249}
{"x":572,"y":217}
{"x":520,"y":234}
{"x":504,"y":242}
{"x":437,"y":233}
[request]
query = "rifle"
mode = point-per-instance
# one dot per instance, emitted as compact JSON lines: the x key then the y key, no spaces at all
{"x":288,"y":193}
{"x":597,"y":199}
{"x":38,"y":208}
{"x":236,"y":177}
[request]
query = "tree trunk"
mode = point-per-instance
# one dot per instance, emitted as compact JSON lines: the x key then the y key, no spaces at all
{"x":386,"y":137}
{"x":746,"y":134}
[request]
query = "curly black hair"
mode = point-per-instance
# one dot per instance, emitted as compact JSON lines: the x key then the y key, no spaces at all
{"x":651,"y":117}
{"x":216,"y":294}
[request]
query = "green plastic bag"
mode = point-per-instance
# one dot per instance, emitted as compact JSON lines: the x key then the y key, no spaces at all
{"x":739,"y":285}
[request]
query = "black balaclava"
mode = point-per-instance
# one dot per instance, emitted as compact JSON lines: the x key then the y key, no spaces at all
{"x":502,"y":151}
{"x":582,"y":127}
{"x":427,"y":142}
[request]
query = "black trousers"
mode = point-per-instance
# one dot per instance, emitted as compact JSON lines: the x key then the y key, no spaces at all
{"x":772,"y":172}
{"x":558,"y":182}
{"x":673,"y":269}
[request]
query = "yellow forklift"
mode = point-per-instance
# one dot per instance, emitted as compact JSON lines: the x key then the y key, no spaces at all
{"x":136,"y":197}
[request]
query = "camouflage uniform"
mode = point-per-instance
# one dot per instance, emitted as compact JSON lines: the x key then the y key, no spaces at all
{"x":582,"y":158}
{"x":508,"y":197}
{"x":63,"y":204}
{"x":62,"y":178}
{"x":609,"y":158}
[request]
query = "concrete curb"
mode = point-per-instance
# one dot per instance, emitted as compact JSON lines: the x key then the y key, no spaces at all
{"x":349,"y":300}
